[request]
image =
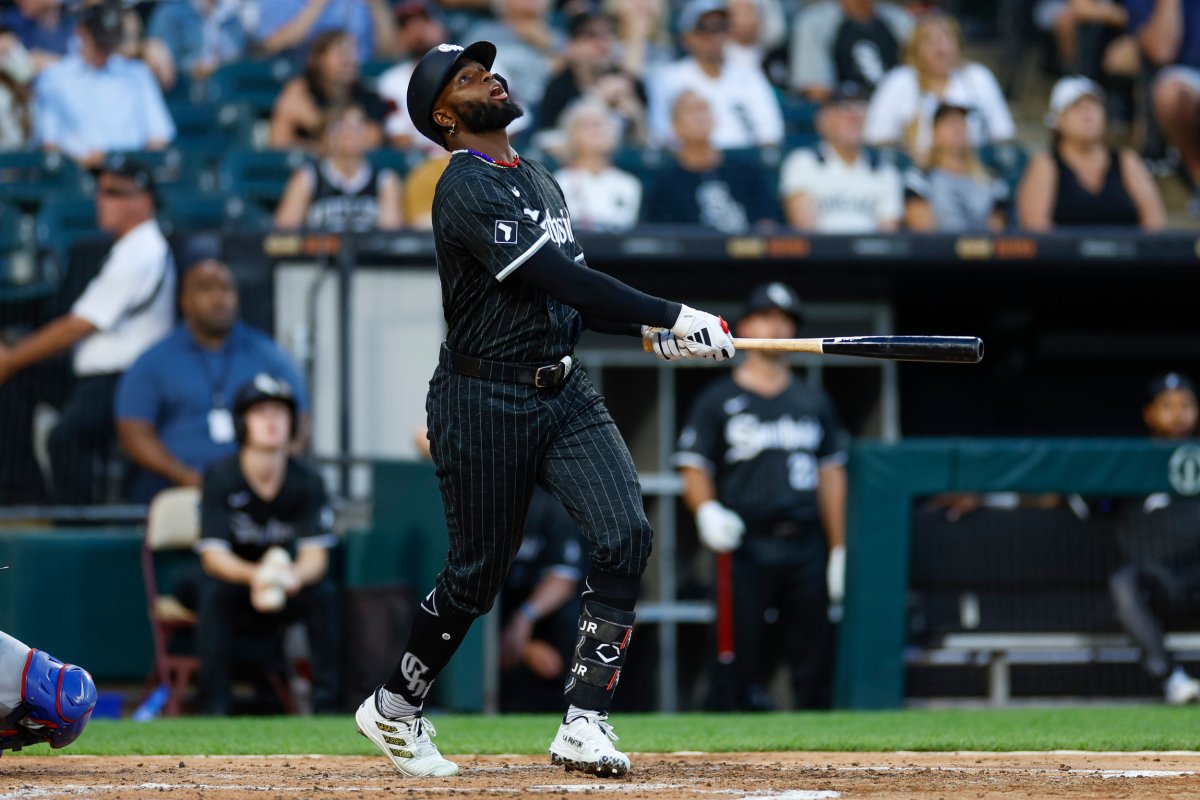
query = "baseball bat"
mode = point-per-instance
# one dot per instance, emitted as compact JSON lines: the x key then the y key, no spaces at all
{"x":939,"y":349}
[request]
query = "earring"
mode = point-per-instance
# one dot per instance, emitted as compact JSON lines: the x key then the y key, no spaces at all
{"x":453,"y":128}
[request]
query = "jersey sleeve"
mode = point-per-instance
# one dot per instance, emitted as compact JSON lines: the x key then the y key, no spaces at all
{"x":488,"y":219}
{"x":699,"y":444}
{"x":836,"y":441}
{"x":216,"y":529}
{"x":315,"y":527}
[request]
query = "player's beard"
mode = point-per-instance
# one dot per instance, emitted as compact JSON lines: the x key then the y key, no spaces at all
{"x":485,"y":116}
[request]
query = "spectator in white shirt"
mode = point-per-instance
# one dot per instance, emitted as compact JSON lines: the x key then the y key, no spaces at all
{"x":901,"y":110}
{"x":95,"y":102}
{"x":840,"y":41}
{"x":126,"y":308}
{"x":837,"y":187}
{"x":744,"y":107}
{"x":599,"y":196}
{"x":417,"y":30}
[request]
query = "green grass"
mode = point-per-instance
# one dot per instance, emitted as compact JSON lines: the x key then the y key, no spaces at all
{"x":1120,"y":728}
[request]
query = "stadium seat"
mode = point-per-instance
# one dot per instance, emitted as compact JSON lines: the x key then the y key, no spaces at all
{"x":258,"y":177}
{"x":63,"y":220}
{"x":170,"y":167}
{"x":398,"y":161}
{"x":168,"y":563}
{"x":27,"y":179}
{"x":799,"y":115}
{"x":252,"y":83}
{"x":185,"y":210}
{"x":206,"y":131}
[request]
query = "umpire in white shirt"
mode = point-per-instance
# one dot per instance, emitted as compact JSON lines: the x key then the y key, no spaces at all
{"x":126,"y":308}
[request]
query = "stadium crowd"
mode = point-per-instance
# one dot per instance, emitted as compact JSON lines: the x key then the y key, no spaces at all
{"x":830,"y":116}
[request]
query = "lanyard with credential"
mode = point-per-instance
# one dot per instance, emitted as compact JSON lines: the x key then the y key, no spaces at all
{"x":218,"y":382}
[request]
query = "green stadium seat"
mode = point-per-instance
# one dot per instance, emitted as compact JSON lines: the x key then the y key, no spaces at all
{"x":258,"y":176}
{"x":170,"y":167}
{"x":27,"y":179}
{"x":206,"y":131}
{"x":799,"y":115}
{"x":252,"y":83}
{"x":63,"y":220}
{"x":398,"y":161}
{"x":184,"y":210}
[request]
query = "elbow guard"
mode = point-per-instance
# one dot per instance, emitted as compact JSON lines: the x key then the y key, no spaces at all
{"x":56,"y":703}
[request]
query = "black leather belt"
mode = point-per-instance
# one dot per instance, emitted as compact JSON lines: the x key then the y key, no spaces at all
{"x":544,"y":377}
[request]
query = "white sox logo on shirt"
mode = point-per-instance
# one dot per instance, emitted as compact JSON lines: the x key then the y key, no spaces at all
{"x":747,"y":435}
{"x":412,"y":669}
{"x":506,"y":231}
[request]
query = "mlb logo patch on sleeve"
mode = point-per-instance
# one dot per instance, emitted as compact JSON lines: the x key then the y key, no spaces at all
{"x":506,"y":231}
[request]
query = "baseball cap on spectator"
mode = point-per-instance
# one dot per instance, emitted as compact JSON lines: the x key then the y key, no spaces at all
{"x":1167,"y":382}
{"x":577,"y":23}
{"x":133,"y":169}
{"x":1067,"y":92}
{"x":847,"y":92}
{"x":200,"y":249}
{"x":409,"y":10}
{"x":696,"y":9}
{"x":944,"y":108}
{"x":103,"y":21}
{"x":772,"y":296}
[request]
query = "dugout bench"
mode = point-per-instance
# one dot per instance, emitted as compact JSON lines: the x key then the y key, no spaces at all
{"x":1000,"y":652}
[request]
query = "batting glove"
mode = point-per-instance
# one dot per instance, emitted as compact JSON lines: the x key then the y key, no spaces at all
{"x":703,"y":334}
{"x":720,"y":529}
{"x":835,"y":574}
{"x":663,"y":344}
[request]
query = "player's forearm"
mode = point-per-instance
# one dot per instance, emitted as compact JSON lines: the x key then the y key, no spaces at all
{"x":698,"y":487}
{"x":225,"y":566}
{"x":615,"y":328}
{"x":549,"y":595}
{"x":311,"y":565}
{"x":831,"y":504}
{"x":141,"y":443}
{"x":594,"y":294}
{"x":48,"y":341}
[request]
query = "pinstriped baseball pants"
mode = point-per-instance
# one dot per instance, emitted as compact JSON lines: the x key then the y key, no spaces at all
{"x":492,"y":442}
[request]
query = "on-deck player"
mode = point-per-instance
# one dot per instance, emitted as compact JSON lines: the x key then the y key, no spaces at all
{"x":507,"y":410}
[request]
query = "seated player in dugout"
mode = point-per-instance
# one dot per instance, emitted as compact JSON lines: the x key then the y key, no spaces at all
{"x":41,"y":698}
{"x":538,"y":604}
{"x":266,"y":532}
{"x":763,"y":460}
{"x":1159,"y":539}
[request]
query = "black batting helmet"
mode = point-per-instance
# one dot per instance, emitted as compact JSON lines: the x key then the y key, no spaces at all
{"x":264,"y":387}
{"x":431,"y":75}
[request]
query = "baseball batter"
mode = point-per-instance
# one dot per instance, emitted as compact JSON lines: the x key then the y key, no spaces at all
{"x":508,"y":410}
{"x":41,"y":698}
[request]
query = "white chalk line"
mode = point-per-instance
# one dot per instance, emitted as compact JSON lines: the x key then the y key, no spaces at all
{"x":79,"y":790}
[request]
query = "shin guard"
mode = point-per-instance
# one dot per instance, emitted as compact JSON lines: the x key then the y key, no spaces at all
{"x":604,"y":634}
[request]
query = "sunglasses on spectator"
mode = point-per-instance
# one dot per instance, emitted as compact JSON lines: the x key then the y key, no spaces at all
{"x":118,"y":192}
{"x":717,"y":25}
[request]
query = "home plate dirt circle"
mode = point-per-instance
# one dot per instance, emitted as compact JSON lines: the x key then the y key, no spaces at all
{"x":694,"y":776}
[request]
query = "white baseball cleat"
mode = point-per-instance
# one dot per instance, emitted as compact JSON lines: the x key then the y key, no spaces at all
{"x":406,"y":742}
{"x":1181,"y":688}
{"x":585,"y":743}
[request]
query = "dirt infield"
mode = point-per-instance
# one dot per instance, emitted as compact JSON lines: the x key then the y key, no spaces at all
{"x":784,"y":776}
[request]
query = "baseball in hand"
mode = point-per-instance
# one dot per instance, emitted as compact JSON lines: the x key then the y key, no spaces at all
{"x":268,"y":592}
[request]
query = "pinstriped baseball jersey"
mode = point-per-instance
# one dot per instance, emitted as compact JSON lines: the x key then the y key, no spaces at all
{"x":490,"y":220}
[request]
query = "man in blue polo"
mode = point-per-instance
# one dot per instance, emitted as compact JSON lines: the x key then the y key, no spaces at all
{"x":173,"y":405}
